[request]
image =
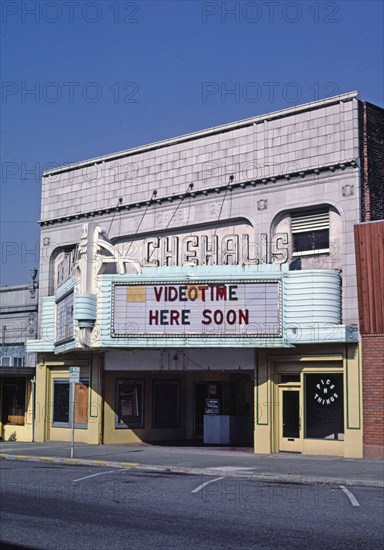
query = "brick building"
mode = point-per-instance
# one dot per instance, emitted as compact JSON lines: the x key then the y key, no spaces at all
{"x":206,"y":286}
{"x":371,"y":121}
{"x":369,"y":240}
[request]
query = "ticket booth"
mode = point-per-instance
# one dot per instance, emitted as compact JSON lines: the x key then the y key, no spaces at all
{"x":223,"y":412}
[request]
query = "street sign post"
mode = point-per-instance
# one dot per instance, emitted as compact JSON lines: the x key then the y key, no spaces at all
{"x":74,"y":378}
{"x":74,"y":374}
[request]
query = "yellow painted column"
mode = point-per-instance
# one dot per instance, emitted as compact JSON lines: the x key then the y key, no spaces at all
{"x":353,"y":443}
{"x":41,"y":407}
{"x":95,"y":404}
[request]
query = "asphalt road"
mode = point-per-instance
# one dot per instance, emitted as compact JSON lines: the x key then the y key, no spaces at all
{"x":77,"y":507}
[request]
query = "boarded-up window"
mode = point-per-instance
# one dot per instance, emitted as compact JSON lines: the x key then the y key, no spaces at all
{"x":81,"y":402}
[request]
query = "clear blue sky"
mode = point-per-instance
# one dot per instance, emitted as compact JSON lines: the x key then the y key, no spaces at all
{"x":111,"y":75}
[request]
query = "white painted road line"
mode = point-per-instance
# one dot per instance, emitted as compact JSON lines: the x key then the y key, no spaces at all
{"x":94,"y":475}
{"x":205,"y":484}
{"x":351,"y":497}
{"x":230,"y":468}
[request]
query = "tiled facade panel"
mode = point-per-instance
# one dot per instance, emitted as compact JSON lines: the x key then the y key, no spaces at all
{"x":262,"y":148}
{"x":316,"y":137}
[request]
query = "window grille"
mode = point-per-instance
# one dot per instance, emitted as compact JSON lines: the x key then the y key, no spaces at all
{"x":310,"y":232}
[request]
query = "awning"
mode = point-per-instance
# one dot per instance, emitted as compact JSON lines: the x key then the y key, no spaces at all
{"x":17,"y":371}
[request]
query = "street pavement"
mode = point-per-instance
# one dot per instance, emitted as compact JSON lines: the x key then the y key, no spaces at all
{"x":280,"y":467}
{"x":66,"y":507}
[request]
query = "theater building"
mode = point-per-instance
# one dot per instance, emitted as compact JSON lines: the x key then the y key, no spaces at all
{"x":206,"y":287}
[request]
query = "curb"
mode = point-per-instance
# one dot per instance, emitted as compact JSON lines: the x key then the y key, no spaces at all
{"x":271,"y":478}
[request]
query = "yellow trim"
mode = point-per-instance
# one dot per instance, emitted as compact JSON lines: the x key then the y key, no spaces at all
{"x":312,"y":359}
{"x":306,"y":358}
{"x":283,"y":442}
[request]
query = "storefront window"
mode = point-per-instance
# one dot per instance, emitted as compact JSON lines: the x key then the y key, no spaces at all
{"x":129,"y":403}
{"x":324,"y":407}
{"x":14,"y":401}
{"x":166,"y":404}
{"x":61,"y":402}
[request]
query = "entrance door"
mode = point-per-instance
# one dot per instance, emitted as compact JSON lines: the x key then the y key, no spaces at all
{"x":199,"y":405}
{"x":290,"y":420}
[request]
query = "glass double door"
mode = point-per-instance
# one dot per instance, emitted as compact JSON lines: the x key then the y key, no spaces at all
{"x":290,"y":419}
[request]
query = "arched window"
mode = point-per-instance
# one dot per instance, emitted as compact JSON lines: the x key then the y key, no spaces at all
{"x":310,"y":232}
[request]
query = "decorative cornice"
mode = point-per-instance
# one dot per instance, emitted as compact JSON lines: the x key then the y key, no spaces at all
{"x":192,"y":192}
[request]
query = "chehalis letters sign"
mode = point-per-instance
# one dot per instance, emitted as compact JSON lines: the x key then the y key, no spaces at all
{"x":209,"y":309}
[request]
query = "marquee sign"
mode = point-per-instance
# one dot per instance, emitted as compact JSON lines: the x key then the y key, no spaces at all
{"x":64,"y":318}
{"x":199,"y":309}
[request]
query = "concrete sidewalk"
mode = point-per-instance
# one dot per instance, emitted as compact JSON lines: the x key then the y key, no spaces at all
{"x":281,"y":467}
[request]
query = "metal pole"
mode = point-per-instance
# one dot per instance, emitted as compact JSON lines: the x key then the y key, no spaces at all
{"x":33,"y":408}
{"x":72,"y":418}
